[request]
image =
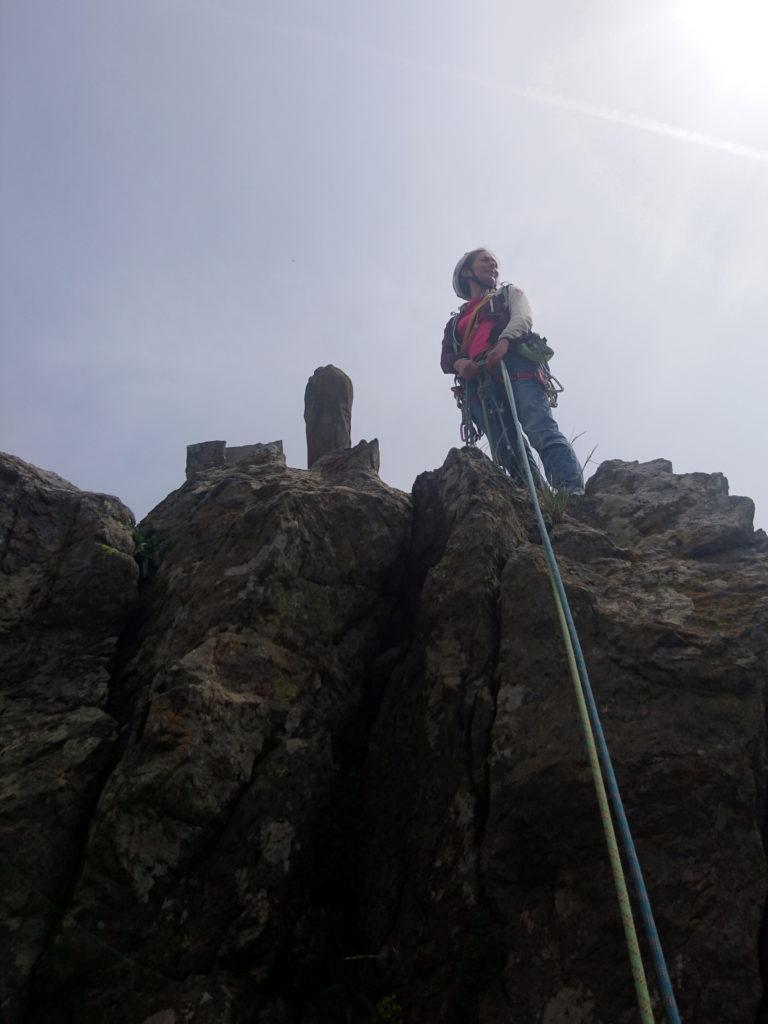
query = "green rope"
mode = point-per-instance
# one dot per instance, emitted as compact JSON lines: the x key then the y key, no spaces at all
{"x":625,"y":908}
{"x":619,"y":881}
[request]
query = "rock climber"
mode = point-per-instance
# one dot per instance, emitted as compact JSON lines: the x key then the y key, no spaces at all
{"x":494,"y":324}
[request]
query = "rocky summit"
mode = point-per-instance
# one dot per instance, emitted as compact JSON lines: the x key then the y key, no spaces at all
{"x":303,"y":749}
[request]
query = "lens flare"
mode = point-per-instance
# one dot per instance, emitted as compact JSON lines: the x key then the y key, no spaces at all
{"x":731,"y":39}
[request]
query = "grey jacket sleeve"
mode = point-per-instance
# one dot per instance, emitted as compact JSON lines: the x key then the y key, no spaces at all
{"x":520,"y":320}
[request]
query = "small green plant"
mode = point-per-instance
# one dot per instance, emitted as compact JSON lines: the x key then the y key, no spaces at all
{"x":107,"y":549}
{"x":589,"y":460}
{"x":553,"y":505}
{"x":146,"y":552}
{"x":387,"y":1011}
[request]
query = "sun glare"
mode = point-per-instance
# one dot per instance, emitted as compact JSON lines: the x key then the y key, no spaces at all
{"x":731,"y":37}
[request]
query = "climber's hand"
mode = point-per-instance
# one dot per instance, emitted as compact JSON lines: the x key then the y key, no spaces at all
{"x":466,"y":368}
{"x":496,"y":354}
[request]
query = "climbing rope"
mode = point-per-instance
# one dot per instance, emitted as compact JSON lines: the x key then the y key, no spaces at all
{"x":599,"y":756}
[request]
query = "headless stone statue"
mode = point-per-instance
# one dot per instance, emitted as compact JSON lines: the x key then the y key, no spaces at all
{"x":327,"y":412}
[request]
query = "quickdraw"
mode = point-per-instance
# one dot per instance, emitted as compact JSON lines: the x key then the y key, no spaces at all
{"x":552,"y":386}
{"x":468,"y":432}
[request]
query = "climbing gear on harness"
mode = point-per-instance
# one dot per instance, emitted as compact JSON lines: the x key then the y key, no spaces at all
{"x":603,"y":774}
{"x":468,"y":432}
{"x":551,"y":385}
{"x":548,"y":381}
{"x":501,"y":445}
{"x":535,"y":348}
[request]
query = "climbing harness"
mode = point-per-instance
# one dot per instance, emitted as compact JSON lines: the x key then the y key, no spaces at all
{"x":602,"y":772}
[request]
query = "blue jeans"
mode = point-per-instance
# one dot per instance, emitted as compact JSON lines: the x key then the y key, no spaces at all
{"x":533,"y":409}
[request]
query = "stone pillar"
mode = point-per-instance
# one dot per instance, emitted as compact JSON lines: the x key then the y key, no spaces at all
{"x":327,"y":412}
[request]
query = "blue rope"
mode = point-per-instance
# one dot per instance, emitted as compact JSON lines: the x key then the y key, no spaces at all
{"x":641,"y":892}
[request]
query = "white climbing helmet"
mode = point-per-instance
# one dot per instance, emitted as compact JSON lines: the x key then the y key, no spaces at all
{"x":460,"y":284}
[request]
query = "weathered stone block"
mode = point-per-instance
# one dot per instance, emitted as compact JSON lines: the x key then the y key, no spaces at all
{"x":204,"y":456}
{"x":208,"y":455}
{"x":255,"y":453}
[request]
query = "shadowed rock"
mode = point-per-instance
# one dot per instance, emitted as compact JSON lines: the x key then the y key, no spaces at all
{"x":479,"y":810}
{"x":272,"y":599}
{"x":68,"y":583}
{"x":327,"y":412}
{"x":349,"y":747}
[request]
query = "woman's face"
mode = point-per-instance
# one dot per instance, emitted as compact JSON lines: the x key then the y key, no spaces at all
{"x":485,"y":268}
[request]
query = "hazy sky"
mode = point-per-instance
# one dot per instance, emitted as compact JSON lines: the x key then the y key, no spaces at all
{"x":203,"y":200}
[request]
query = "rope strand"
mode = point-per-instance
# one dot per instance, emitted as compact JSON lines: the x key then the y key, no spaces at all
{"x":594,"y":735}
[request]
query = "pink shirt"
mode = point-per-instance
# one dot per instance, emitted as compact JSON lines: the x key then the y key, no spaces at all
{"x":482,"y":332}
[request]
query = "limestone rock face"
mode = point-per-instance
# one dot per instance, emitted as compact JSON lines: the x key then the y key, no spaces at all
{"x":68,"y":582}
{"x":482,"y":813}
{"x":327,"y":412}
{"x":649,"y":507}
{"x":244,"y":694}
{"x":340,"y":775}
